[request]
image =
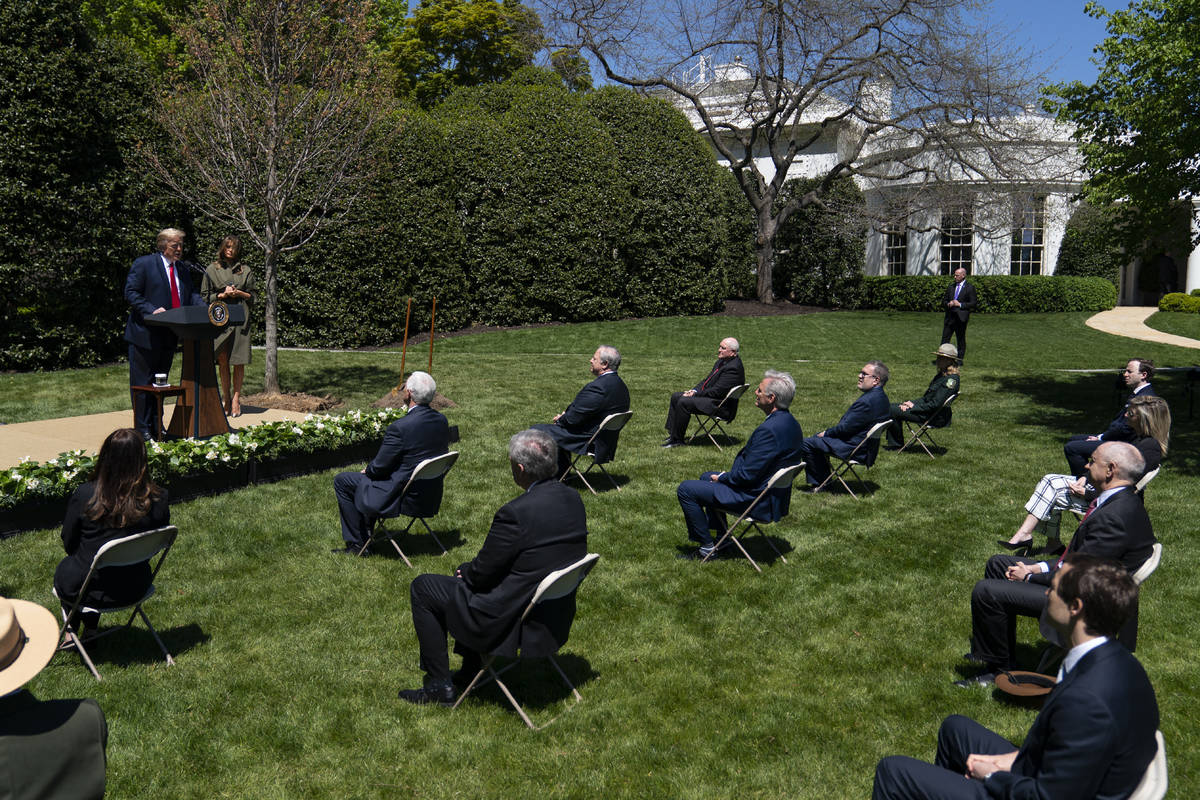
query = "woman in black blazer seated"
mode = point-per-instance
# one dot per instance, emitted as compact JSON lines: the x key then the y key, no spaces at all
{"x":1150,"y":418}
{"x":119,"y":500}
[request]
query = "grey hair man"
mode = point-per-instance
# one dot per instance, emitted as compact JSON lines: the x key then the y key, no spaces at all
{"x":543,"y":529}
{"x":606,"y":394}
{"x":363,"y":497}
{"x":707,"y":395}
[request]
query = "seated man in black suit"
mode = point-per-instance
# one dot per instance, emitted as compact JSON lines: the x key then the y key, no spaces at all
{"x":705,"y":396}
{"x":52,"y":748}
{"x":542,"y":530}
{"x":1094,"y":736}
{"x":365,"y":496}
{"x":1116,"y":527}
{"x":871,"y":407}
{"x":1137,"y":375}
{"x":606,"y":394}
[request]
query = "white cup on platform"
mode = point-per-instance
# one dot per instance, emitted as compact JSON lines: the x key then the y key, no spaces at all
{"x":160,"y":379}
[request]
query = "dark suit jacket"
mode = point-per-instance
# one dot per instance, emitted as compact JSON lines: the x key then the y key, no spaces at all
{"x":871,"y":406}
{"x":83,"y":537}
{"x":1118,"y":430}
{"x":726,"y":374}
{"x":147,"y":288}
{"x":51,"y":749}
{"x":932,"y":402}
{"x":775,"y":444}
{"x":1120,"y":529}
{"x":542,"y":530}
{"x":967,"y":299}
{"x":605,"y":395}
{"x":1094,"y":736}
{"x":420,"y":434}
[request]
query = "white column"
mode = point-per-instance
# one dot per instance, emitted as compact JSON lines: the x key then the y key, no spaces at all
{"x":1192,"y":281}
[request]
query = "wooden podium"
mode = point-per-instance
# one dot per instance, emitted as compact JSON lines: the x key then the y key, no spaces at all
{"x":198,"y":412}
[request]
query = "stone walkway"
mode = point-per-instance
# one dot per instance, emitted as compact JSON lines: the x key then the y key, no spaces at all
{"x":1130,"y":321}
{"x":42,"y":440}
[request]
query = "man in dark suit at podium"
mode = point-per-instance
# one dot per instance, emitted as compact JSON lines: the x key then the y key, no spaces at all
{"x":364,"y":496}
{"x":156,"y":282}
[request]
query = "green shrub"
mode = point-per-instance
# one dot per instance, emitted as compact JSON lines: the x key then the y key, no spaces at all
{"x":1178,"y":301}
{"x":997,"y":293}
{"x":1195,"y":293}
{"x":821,"y":248}
{"x":1089,"y":248}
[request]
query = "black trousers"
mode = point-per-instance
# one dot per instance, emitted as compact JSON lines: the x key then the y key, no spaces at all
{"x":903,"y":778}
{"x":995,"y":604}
{"x":431,"y":595}
{"x":143,"y":364}
{"x":958,"y":328}
{"x":679,"y":415}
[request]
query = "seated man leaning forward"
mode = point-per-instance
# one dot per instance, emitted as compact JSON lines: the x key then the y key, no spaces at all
{"x":606,"y":394}
{"x":49,"y":748}
{"x":542,"y":530}
{"x":705,"y":396}
{"x":1116,"y":527}
{"x":773,"y":445}
{"x":1094,"y":737}
{"x":365,"y":496}
{"x":931,"y":404}
{"x":1137,"y":375}
{"x":871,"y":407}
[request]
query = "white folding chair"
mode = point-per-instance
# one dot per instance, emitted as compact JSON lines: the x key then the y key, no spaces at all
{"x":781,"y":479}
{"x":428,"y":469}
{"x":855,"y":459}
{"x":557,"y":584}
{"x":924,"y":433}
{"x":133,"y":549}
{"x":709,"y":424}
{"x":611,"y":424}
{"x":1153,"y":785}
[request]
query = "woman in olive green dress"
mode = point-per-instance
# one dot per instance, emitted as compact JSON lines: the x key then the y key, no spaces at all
{"x":229,"y":280}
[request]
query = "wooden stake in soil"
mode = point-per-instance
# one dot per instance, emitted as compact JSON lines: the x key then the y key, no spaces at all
{"x":432,"y":317}
{"x":404,"y":347}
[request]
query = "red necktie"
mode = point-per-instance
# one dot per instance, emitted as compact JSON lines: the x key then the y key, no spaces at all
{"x":174,"y":288}
{"x":716,"y":369}
{"x":1090,"y":509}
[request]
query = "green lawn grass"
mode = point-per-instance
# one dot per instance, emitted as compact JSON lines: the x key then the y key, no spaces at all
{"x":1176,"y":322}
{"x":699,"y":681}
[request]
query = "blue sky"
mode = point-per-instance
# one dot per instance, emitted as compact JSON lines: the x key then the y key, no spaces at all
{"x":1059,"y":35}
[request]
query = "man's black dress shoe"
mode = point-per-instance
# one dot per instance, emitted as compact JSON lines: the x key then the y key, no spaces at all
{"x":971,"y":658}
{"x":983,"y":679}
{"x":430,"y":695}
{"x":672,"y":443}
{"x":1021,"y":545}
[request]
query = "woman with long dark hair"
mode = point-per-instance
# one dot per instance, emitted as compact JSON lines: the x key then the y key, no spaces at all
{"x":229,"y":280}
{"x":1149,"y":417}
{"x":120,"y":499}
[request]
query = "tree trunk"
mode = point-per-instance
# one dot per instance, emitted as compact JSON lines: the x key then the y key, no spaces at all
{"x":764,"y":252}
{"x":271,"y":376}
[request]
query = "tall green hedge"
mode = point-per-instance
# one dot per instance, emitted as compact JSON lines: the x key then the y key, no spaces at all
{"x":1089,"y":247}
{"x":1010,"y":294}
{"x":74,"y":210}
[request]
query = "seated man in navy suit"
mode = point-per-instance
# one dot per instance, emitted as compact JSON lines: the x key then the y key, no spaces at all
{"x":606,"y":394}
{"x":1137,"y":375}
{"x":871,"y":407}
{"x":156,"y":282}
{"x":541,"y":530}
{"x":365,"y":496}
{"x":1094,"y":736}
{"x":775,"y":444}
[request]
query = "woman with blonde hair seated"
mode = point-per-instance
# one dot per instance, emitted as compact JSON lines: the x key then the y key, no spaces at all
{"x":1150,"y":418}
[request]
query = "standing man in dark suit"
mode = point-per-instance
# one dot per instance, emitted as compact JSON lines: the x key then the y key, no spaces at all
{"x":365,"y":496}
{"x":871,"y":407}
{"x":542,"y":530}
{"x":1137,"y":375}
{"x":775,"y":444}
{"x":704,"y":397}
{"x":49,"y":748}
{"x":1116,"y":527}
{"x":606,"y":394}
{"x":959,"y":301}
{"x":156,"y":282}
{"x":1094,"y":736}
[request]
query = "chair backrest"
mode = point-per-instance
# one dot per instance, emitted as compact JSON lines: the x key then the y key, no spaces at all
{"x":562,"y":582}
{"x":1149,"y":565}
{"x":135,"y":548}
{"x":432,"y":468}
{"x":783,"y":477}
{"x":733,"y":395}
{"x":1149,"y":476}
{"x":1153,"y":785}
{"x":872,"y":436}
{"x":611,"y":424}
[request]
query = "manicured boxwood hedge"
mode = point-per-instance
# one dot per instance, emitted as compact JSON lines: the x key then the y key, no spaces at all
{"x":1178,"y":301}
{"x":997,"y":293}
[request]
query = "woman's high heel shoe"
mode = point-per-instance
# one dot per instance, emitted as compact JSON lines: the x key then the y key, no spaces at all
{"x":1021,"y":545}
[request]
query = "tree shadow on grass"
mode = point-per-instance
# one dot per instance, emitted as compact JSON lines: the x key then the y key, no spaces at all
{"x":1084,"y":403}
{"x":136,"y":645}
{"x":536,"y":684}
